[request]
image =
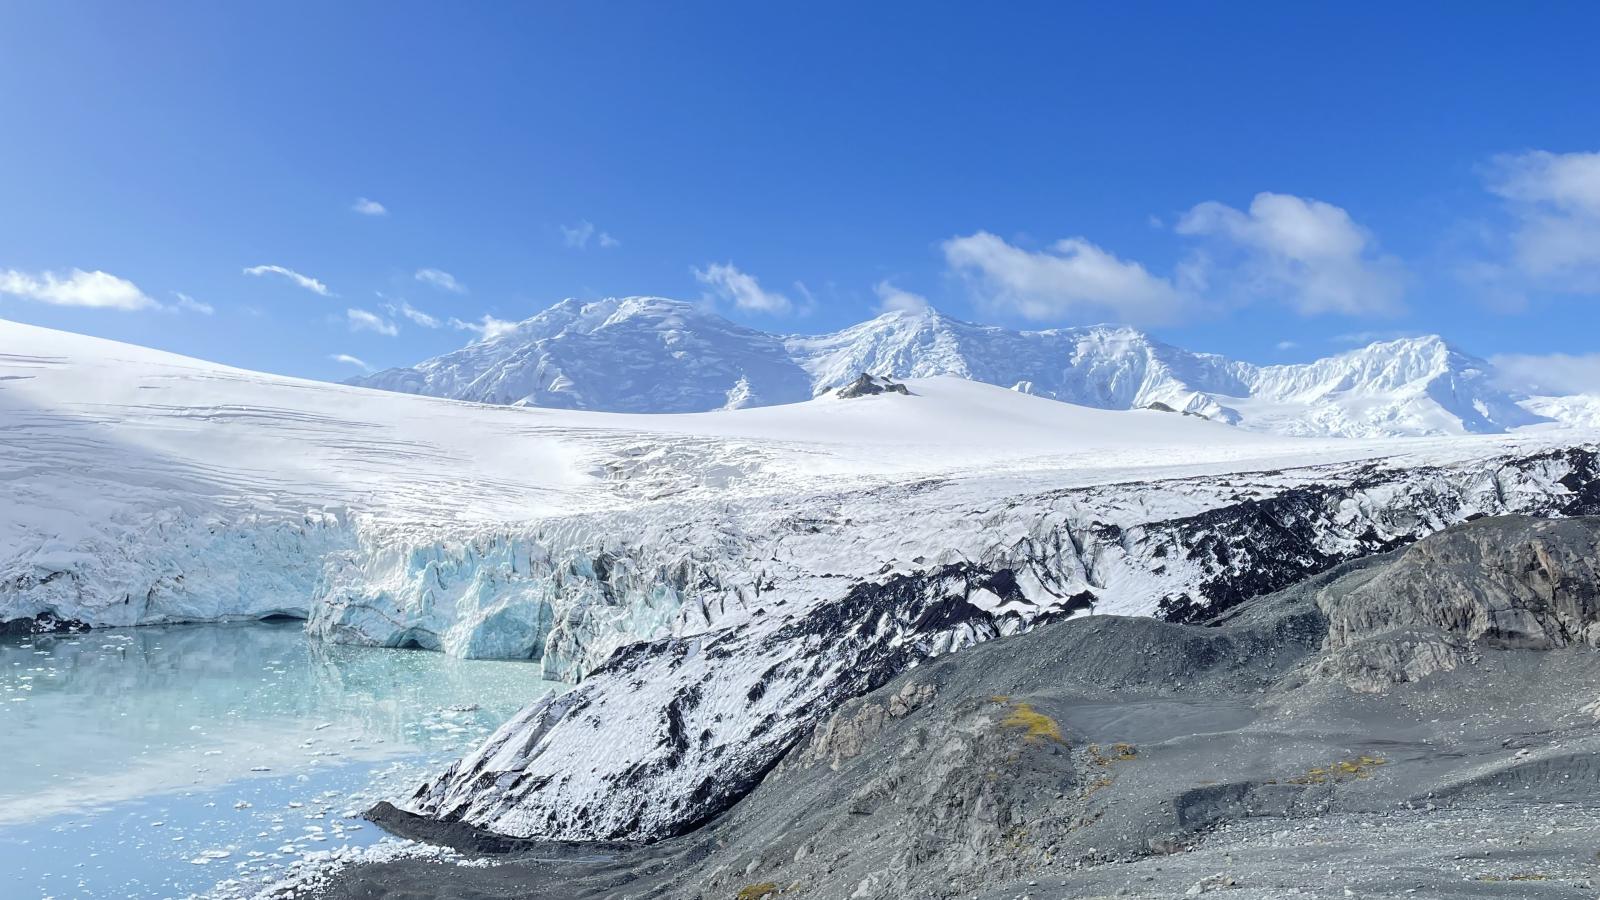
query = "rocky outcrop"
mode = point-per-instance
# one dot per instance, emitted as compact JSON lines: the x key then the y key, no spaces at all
{"x":1509,"y":582}
{"x":869,"y":385}
{"x":1158,"y":406}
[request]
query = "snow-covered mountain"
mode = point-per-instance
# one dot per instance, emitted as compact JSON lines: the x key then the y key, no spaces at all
{"x":648,"y":354}
{"x":718,"y":581}
{"x":637,"y":354}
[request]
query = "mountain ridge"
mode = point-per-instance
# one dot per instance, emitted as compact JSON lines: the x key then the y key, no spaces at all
{"x":652,"y":354}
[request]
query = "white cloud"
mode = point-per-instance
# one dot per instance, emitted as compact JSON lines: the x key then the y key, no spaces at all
{"x":1288,"y":345}
{"x":406,"y":310}
{"x":98,"y":290}
{"x":744,"y":290}
{"x":349,"y":360}
{"x":442,"y":280}
{"x":369,"y":207}
{"x":1071,"y":278}
{"x":1553,"y":373}
{"x":579,"y":235}
{"x":486,"y":328}
{"x":893,"y":299}
{"x":190,"y":304}
{"x":1307,"y":253}
{"x":1554,"y":199}
{"x":305,"y":281}
{"x":361,"y":320}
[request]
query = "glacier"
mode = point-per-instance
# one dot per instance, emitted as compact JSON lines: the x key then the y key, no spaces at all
{"x":667,"y":734}
{"x":650,"y":354}
{"x":144,"y":487}
{"x":713,"y":583}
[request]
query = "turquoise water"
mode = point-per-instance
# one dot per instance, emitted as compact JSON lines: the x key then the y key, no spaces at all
{"x":158,"y":762}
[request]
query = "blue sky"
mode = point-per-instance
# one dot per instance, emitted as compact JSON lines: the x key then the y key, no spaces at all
{"x":1241,"y":178}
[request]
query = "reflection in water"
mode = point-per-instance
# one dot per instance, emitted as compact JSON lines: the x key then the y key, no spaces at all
{"x":113,"y":728}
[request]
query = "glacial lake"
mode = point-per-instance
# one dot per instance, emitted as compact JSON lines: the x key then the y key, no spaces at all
{"x":162,"y":761}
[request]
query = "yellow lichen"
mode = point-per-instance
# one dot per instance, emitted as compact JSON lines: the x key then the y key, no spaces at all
{"x":1036,"y":725}
{"x":1360,"y":767}
{"x":757,"y":891}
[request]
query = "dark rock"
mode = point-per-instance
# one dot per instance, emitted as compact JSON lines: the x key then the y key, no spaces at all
{"x":44,"y":623}
{"x":867,"y":385}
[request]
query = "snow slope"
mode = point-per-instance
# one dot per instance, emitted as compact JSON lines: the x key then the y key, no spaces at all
{"x":718,"y":581}
{"x":157,"y":425}
{"x":649,"y":354}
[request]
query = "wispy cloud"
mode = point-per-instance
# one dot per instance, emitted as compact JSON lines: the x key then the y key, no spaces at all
{"x":1071,"y":278}
{"x":1554,"y":201}
{"x":362,"y":320}
{"x":1549,"y":373}
{"x":368,"y":207}
{"x":442,"y":280}
{"x":486,"y":328}
{"x":1306,"y":252}
{"x":98,"y":290}
{"x":406,"y":310}
{"x":349,"y":360}
{"x":190,"y":304}
{"x":305,"y":281}
{"x":1288,"y":345}
{"x":746,"y":293}
{"x":578,"y":236}
{"x":893,"y":299}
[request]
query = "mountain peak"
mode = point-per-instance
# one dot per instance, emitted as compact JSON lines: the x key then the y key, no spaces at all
{"x":1421,"y":343}
{"x":920,"y":317}
{"x":657,"y":354}
{"x":1411,"y":358}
